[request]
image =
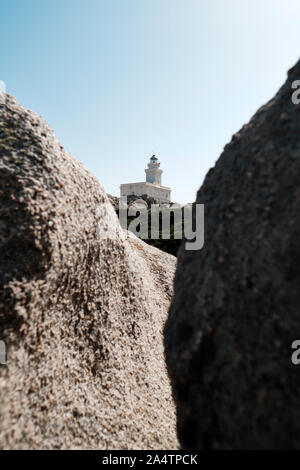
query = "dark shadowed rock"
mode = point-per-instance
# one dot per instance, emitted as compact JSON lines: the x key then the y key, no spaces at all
{"x":236,"y":307}
{"x":82,"y":306}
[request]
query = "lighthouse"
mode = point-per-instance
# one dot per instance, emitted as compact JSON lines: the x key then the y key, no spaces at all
{"x":153,"y":172}
{"x":152,"y":187}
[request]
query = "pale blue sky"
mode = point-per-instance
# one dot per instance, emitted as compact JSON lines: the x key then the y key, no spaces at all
{"x":118,"y":79}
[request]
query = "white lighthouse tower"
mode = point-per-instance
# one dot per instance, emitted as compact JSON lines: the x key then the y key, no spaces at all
{"x":153,"y":172}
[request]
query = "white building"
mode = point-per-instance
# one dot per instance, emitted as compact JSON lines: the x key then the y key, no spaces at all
{"x":151,"y":187}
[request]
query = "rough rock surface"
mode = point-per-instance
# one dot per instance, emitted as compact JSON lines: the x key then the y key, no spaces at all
{"x":114,"y":201}
{"x":235,"y":312}
{"x":82,"y":306}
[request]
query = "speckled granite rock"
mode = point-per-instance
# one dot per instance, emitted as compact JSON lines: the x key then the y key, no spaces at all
{"x":82,"y":306}
{"x":236,"y":307}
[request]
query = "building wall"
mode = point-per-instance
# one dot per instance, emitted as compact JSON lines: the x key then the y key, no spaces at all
{"x":161,"y":193}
